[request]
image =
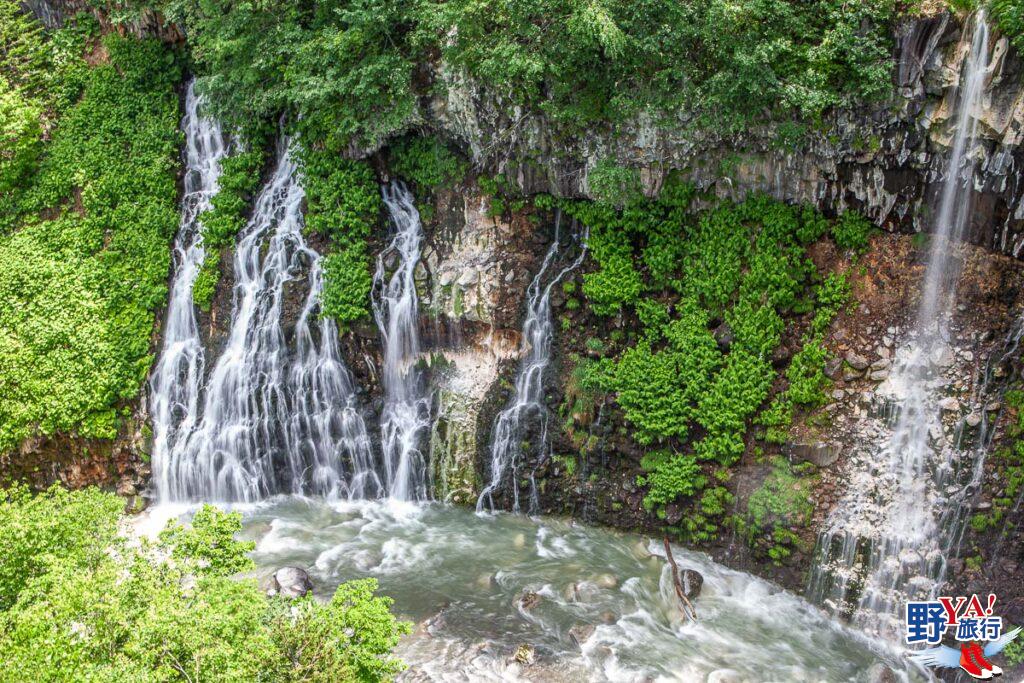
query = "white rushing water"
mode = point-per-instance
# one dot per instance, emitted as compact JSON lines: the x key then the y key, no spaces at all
{"x":526,"y":415}
{"x":890,"y":537}
{"x":463,"y":578}
{"x":279,"y":414}
{"x":405,"y":418}
{"x":174,"y":383}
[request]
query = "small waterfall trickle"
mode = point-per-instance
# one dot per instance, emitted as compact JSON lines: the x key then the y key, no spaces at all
{"x":174,"y":383}
{"x":888,"y":540}
{"x":275,"y":419}
{"x":405,"y":418}
{"x":527,"y":409}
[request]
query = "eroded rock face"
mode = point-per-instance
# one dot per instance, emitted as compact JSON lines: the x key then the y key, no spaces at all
{"x":887,"y":160}
{"x":475,"y":272}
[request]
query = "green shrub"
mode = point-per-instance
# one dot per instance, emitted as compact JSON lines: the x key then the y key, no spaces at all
{"x":343,"y":204}
{"x":851,"y":231}
{"x":669,"y":476}
{"x":205,"y":284}
{"x":781,"y":503}
{"x":238,"y":181}
{"x":1009,"y":16}
{"x":80,"y":602}
{"x":79,"y":288}
{"x":613,"y":184}
{"x":426,"y":162}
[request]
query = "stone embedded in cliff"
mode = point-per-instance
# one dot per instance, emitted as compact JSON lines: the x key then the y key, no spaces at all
{"x":291,"y":582}
{"x":818,"y":454}
{"x":949,"y":404}
{"x":857,"y":361}
{"x":724,"y":336}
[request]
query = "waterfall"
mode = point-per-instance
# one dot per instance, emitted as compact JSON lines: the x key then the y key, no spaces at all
{"x":275,"y":419}
{"x":406,"y":413}
{"x":174,"y":383}
{"x":889,"y":537}
{"x":511,"y":427}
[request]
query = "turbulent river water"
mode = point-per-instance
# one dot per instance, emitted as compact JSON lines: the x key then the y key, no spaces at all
{"x":460,"y":577}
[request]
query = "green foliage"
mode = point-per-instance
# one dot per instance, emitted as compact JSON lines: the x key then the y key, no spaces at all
{"x":702,"y":524}
{"x":1014,"y":651}
{"x":210,"y":541}
{"x":106,"y":185}
{"x":782,"y":503}
{"x":82,"y":603}
{"x":59,"y":526}
{"x":806,"y":374}
{"x":346,"y":639}
{"x":733,"y":61}
{"x":238,"y":181}
{"x":613,"y":184}
{"x":342,"y":204}
{"x":343,"y":68}
{"x":1009,"y":16}
{"x":852,"y":231}
{"x":742,"y":263}
{"x":426,"y":162}
{"x":832,"y":294}
{"x":205,"y":284}
{"x":670,"y":475}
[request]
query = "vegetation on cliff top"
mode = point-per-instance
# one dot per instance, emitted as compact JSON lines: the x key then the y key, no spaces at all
{"x":84,"y":245}
{"x":78,"y":601}
{"x":350,"y":70}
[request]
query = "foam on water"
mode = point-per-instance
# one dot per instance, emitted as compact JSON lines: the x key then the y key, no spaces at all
{"x":461,"y":576}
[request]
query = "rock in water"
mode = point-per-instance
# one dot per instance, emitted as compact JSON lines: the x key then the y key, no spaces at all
{"x":692,"y":583}
{"x":529,"y":600}
{"x":725,"y":676}
{"x":580,"y":633}
{"x":292,"y":582}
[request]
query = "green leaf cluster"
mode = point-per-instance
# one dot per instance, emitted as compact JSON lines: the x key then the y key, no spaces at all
{"x":782,"y":504}
{"x":78,"y":602}
{"x":84,"y":263}
{"x":343,"y":204}
{"x":237,"y":184}
{"x":426,"y":162}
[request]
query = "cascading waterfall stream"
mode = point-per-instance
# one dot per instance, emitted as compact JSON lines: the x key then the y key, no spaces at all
{"x":889,"y":537}
{"x":512,"y":424}
{"x":174,"y":383}
{"x":275,"y":419}
{"x":405,"y":418}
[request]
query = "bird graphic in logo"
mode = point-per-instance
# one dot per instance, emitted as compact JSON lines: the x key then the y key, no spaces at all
{"x":971,"y":657}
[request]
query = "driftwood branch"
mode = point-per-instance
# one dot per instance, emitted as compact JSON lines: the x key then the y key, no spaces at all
{"x":684,"y":603}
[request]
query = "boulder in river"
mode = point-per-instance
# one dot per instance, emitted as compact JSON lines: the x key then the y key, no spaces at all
{"x":580,"y":633}
{"x":725,"y":676}
{"x":692,"y":582}
{"x":291,"y":582}
{"x":528,"y":600}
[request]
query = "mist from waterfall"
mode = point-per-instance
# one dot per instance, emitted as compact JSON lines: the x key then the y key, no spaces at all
{"x":889,"y":538}
{"x":527,"y":409}
{"x":174,"y":382}
{"x":405,"y":418}
{"x":279,"y":414}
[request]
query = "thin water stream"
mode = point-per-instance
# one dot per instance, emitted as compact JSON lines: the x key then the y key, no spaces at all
{"x":889,"y":539}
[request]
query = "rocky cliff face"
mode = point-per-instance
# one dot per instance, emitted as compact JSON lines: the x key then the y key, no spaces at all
{"x":886,"y":160}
